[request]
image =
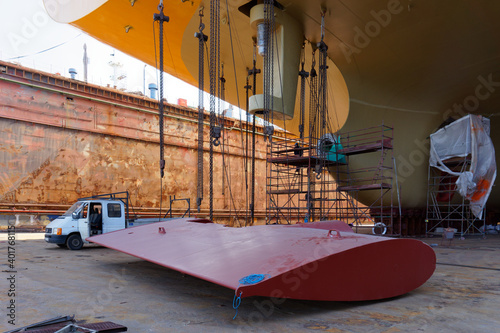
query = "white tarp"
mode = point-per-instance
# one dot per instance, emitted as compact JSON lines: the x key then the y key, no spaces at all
{"x":467,"y":136}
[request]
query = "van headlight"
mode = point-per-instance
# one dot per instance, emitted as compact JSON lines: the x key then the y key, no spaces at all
{"x":57,"y":231}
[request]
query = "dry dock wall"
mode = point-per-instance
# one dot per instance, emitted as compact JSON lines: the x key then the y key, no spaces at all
{"x":62,"y":139}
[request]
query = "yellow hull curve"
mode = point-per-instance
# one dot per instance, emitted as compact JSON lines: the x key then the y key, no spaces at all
{"x":410,"y":65}
{"x":129,"y":28}
{"x":181,"y":48}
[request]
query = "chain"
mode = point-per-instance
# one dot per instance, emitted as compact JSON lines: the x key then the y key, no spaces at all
{"x":323,"y":85}
{"x":272,"y":23}
{"x":254,"y":71}
{"x":247,"y":91}
{"x":201,"y":67}
{"x":161,"y":18}
{"x":312,"y":134}
{"x":323,"y":107}
{"x":220,"y":128}
{"x":313,"y":101}
{"x":303,"y":76}
{"x":214,"y":86}
{"x":269,"y":22}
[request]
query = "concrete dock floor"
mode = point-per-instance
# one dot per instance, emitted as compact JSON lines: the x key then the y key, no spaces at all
{"x":99,"y":284}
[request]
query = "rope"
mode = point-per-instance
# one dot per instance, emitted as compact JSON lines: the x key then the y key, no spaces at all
{"x":229,"y":20}
{"x":226,"y":174}
{"x":236,"y":304}
{"x":253,"y":279}
{"x":42,"y":51}
{"x":247,"y":280}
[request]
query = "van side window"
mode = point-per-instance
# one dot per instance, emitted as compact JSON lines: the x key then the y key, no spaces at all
{"x":114,"y":210}
{"x":84,"y":211}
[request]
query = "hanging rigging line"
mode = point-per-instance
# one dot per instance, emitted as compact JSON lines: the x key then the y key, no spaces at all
{"x":303,"y":76}
{"x":269,"y":22}
{"x":253,"y":72}
{"x":313,"y":92}
{"x":214,"y":89}
{"x":161,"y":18}
{"x":201,"y":67}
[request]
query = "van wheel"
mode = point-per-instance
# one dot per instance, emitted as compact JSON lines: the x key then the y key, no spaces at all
{"x":74,"y":242}
{"x":61,"y":245}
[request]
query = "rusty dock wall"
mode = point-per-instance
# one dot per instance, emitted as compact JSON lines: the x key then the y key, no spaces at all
{"x":62,"y":139}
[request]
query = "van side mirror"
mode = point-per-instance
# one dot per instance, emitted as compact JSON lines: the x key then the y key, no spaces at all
{"x":75,"y":216}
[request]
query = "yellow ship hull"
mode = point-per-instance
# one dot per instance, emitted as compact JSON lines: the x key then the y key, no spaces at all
{"x":409,"y":65}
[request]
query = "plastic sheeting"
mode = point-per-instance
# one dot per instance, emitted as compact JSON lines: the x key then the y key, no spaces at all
{"x":467,"y":137}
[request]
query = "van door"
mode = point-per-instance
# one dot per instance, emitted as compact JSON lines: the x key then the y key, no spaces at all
{"x":95,"y":218}
{"x":114,"y":219}
{"x":83,"y":222}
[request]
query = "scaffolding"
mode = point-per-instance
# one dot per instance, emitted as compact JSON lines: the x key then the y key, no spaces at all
{"x":462,"y":171}
{"x":372,"y":183}
{"x":299,"y":186}
{"x":445,"y":207}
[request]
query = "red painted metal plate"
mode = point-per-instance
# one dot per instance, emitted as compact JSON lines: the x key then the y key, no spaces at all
{"x":314,"y":261}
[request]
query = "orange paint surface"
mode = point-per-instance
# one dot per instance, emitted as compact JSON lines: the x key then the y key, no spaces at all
{"x":482,"y":189}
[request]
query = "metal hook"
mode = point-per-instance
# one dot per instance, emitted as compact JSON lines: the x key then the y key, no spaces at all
{"x":202,"y":25}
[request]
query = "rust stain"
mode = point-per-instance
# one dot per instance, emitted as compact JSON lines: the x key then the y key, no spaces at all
{"x":55,"y":149}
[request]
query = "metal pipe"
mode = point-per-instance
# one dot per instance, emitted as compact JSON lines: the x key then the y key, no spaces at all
{"x":217,"y":212}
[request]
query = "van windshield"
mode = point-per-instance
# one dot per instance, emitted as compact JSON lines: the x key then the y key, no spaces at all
{"x":75,"y":208}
